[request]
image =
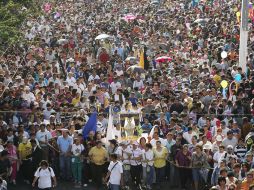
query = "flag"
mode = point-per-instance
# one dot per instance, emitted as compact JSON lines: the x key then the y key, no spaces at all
{"x":110,"y":132}
{"x":143,"y":61}
{"x":91,"y":125}
{"x":146,"y":62}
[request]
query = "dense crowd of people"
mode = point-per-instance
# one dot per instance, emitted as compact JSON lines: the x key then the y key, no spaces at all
{"x":184,"y":117}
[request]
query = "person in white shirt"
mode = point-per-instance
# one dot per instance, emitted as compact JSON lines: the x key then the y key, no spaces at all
{"x":79,"y":87}
{"x":94,"y":76}
{"x":136,"y":167}
{"x":219,"y":155}
{"x":124,"y":153}
{"x":71,"y":81}
{"x":138,"y":83}
{"x":3,"y":184}
{"x":43,"y":136}
{"x":157,"y":138}
{"x":147,"y":163}
{"x":188,"y":135}
{"x":115,"y":173}
{"x":76,"y":161}
{"x":44,"y":174}
{"x":27,"y":95}
{"x":114,"y":86}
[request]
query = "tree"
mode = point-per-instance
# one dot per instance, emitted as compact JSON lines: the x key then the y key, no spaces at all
{"x":12,"y":14}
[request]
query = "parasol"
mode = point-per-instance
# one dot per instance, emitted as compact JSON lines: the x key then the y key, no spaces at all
{"x":129,"y":17}
{"x":201,"y":20}
{"x":163,"y":59}
{"x":103,"y":36}
{"x":136,"y":69}
{"x":130,"y":58}
{"x":155,"y":2}
{"x":161,"y":12}
{"x":62,"y":41}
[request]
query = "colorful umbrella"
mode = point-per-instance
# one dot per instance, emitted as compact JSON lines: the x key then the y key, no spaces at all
{"x":129,"y":17}
{"x":163,"y":59}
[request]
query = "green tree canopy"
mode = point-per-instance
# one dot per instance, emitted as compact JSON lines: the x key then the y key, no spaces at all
{"x":12,"y":14}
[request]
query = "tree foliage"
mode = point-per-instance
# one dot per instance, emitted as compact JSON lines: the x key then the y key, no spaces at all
{"x":12,"y":14}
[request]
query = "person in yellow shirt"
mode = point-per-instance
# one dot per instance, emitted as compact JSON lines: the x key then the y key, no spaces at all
{"x":98,"y":156}
{"x":248,"y":181}
{"x":76,"y":100}
{"x":24,"y":150}
{"x":217,"y":79}
{"x":160,"y":157}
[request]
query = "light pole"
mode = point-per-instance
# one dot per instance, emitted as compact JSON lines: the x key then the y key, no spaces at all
{"x":243,"y":50}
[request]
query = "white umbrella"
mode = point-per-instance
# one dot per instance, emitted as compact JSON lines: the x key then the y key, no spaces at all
{"x":62,"y":41}
{"x":130,"y":58}
{"x":201,"y":20}
{"x":155,"y":2}
{"x":103,"y":36}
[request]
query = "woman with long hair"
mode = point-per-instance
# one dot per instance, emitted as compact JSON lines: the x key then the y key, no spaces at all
{"x":13,"y":157}
{"x":160,"y":157}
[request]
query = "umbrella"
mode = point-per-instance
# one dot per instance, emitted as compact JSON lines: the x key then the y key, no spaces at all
{"x":161,"y":12}
{"x":136,"y":69}
{"x":62,"y":41}
{"x":201,"y":20}
{"x":163,"y":59}
{"x":155,"y":2}
{"x":130,"y":58}
{"x":103,"y":36}
{"x":129,"y":17}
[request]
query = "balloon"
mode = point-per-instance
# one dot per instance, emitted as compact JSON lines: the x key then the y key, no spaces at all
{"x":224,"y":84}
{"x":238,"y":78}
{"x":224,"y":54}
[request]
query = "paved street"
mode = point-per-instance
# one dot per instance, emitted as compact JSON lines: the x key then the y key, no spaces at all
{"x":68,"y":186}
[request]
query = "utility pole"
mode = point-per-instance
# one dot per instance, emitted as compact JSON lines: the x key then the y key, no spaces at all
{"x":243,"y":50}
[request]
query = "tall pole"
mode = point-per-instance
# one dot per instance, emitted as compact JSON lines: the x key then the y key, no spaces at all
{"x":243,"y":50}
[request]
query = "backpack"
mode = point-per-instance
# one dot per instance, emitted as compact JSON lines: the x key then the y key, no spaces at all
{"x":48,"y":169}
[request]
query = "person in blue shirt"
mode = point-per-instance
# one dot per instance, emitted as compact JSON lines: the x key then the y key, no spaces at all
{"x":64,"y":143}
{"x":133,"y":99}
{"x":146,"y":127}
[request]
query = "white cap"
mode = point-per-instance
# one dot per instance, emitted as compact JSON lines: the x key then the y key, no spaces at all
{"x":219,"y":138}
{"x":207,"y":147}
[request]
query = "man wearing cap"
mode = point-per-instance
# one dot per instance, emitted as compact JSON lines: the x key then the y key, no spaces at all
{"x":217,"y":143}
{"x":136,"y":167}
{"x":229,"y":153}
